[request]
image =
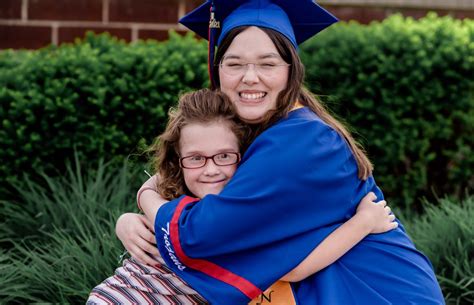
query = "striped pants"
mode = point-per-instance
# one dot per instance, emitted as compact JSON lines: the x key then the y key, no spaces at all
{"x":136,"y":283}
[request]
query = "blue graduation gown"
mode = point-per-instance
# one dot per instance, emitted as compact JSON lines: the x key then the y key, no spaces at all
{"x":296,"y":184}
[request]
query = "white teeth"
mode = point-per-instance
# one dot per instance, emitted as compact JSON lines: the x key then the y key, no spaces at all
{"x":252,"y":96}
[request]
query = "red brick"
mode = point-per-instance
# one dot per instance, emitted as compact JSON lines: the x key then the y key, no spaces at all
{"x":24,"y":37}
{"x":69,"y":34}
{"x":10,"y":9}
{"x":410,"y":13}
{"x":89,"y":10}
{"x":420,"y":13}
{"x":156,"y":34}
{"x":416,"y":13}
{"x":367,"y":15}
{"x":192,"y":4}
{"x":162,"y":11}
{"x":361,"y":14}
{"x":464,"y":14}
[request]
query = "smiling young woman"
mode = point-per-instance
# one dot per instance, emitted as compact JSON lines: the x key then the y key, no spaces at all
{"x":253,"y":93}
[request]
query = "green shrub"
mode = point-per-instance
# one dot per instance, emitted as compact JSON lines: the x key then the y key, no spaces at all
{"x":100,"y":96}
{"x":60,"y":234}
{"x":407,"y":89}
{"x":446,"y":235}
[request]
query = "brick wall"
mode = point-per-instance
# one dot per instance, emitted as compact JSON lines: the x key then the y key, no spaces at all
{"x":366,"y":11}
{"x":36,"y":23}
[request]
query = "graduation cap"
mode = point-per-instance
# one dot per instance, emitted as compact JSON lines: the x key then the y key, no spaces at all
{"x":297,"y":20}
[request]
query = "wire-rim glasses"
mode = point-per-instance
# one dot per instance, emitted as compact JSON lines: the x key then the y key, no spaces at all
{"x":234,"y":67}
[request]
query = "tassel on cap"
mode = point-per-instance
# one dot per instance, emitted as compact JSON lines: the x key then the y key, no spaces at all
{"x":214,"y":27}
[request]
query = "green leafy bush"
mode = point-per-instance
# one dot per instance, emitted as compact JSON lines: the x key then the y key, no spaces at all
{"x":60,"y":233}
{"x":445,"y":233}
{"x":100,"y":96}
{"x":407,"y":89}
{"x":404,"y":86}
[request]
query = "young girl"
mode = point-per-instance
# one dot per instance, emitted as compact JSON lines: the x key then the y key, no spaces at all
{"x":197,"y":155}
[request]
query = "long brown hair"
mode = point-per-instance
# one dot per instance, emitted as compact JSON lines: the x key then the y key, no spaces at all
{"x":202,"y":106}
{"x":295,"y":91}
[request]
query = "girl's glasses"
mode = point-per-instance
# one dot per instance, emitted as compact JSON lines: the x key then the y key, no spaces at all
{"x":220,"y":159}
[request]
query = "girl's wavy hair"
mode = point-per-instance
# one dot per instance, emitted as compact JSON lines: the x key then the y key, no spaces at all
{"x":202,"y":106}
{"x":295,"y":91}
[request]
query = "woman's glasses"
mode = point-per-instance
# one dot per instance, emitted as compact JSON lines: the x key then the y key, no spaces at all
{"x":234,"y":67}
{"x":220,"y":159}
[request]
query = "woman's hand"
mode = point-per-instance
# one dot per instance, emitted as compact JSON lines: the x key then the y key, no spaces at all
{"x":137,"y":236}
{"x":377,"y":215}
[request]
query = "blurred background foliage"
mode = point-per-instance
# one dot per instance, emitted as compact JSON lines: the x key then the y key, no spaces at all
{"x":99,"y":96}
{"x":405,"y":88}
{"x":58,"y":239}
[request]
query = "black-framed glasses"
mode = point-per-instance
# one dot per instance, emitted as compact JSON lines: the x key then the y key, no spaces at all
{"x":220,"y":159}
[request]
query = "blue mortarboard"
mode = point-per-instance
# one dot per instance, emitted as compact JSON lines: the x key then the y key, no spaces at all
{"x":297,"y":20}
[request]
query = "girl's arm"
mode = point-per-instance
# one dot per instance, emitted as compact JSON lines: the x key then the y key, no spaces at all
{"x":371,"y":217}
{"x":136,"y":234}
{"x":149,"y":202}
{"x":148,"y":198}
{"x":135,"y":231}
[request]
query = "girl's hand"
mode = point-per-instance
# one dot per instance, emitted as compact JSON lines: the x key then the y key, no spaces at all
{"x":377,"y":215}
{"x":137,"y":236}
